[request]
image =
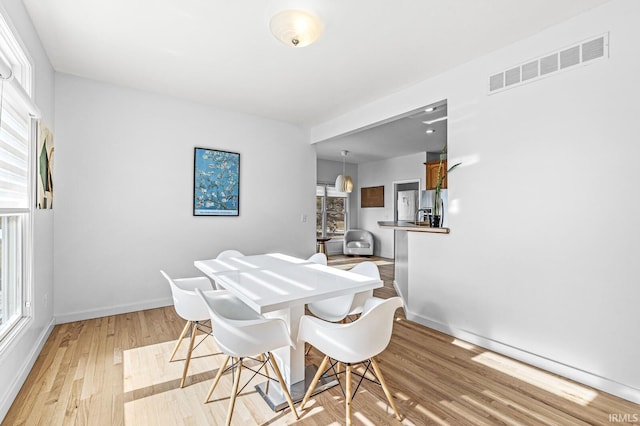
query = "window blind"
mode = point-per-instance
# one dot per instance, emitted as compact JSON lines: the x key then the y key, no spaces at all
{"x":15,"y":119}
{"x":330,"y":191}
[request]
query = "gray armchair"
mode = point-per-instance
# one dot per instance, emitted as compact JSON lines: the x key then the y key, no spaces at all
{"x":358,"y":242}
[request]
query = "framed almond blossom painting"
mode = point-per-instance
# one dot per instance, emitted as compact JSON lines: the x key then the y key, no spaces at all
{"x":216,"y":183}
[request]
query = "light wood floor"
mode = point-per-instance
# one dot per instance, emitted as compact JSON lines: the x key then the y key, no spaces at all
{"x":115,"y":370}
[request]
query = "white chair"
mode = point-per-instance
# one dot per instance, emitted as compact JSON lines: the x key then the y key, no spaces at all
{"x":338,"y":308}
{"x":352,"y":343}
{"x":357,"y":242}
{"x":370,"y":269}
{"x":229,"y":253}
{"x":225,"y":254}
{"x":189,"y":307}
{"x":319,"y":258}
{"x":241,"y":333}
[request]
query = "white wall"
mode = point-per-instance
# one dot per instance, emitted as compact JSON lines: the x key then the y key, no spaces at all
{"x":409,"y":167}
{"x":18,"y":357}
{"x":124,"y":205}
{"x":541,"y":262}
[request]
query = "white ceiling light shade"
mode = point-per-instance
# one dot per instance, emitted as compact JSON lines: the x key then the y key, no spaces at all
{"x":344,"y":183}
{"x":295,"y":27}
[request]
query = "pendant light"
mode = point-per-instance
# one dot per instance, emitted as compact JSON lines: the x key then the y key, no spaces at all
{"x":344,"y":182}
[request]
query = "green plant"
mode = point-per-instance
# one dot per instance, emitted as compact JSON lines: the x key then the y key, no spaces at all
{"x":439,"y":180}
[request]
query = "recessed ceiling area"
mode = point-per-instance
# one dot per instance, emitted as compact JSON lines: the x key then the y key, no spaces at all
{"x":222,"y":53}
{"x":396,"y":137}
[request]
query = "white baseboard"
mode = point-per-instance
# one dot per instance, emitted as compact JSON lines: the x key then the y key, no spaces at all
{"x":113,"y":310}
{"x":14,"y":387}
{"x":597,"y":382}
{"x":403,"y":297}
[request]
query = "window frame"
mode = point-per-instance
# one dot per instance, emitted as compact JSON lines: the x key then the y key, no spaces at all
{"x":322,"y":190}
{"x":13,"y":52}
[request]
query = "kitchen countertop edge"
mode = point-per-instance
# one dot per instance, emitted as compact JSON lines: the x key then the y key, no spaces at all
{"x":408,"y":226}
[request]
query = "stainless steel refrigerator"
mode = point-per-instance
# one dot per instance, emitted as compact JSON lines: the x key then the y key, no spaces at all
{"x":407,"y":205}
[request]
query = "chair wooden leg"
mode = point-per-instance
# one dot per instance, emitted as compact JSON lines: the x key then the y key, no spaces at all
{"x":314,"y":382}
{"x":234,"y":392}
{"x":217,"y":379}
{"x":348,"y":391}
{"x":283,"y":385}
{"x":376,"y":368}
{"x":184,"y":333}
{"x":194,"y":332}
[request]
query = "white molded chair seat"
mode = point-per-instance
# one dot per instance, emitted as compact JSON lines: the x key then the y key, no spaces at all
{"x":352,"y":343}
{"x":241,"y":333}
{"x":338,"y":308}
{"x":319,"y":258}
{"x":189,"y":307}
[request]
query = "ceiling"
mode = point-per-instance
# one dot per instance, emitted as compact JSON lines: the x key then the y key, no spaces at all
{"x":395,"y":137}
{"x":221,"y":52}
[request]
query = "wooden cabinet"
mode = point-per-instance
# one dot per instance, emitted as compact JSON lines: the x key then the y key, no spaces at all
{"x":432,"y":174}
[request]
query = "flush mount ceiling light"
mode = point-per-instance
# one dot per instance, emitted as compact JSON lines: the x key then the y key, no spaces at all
{"x":435,"y":120}
{"x":430,"y":131}
{"x":344,"y":183}
{"x":296,"y":28}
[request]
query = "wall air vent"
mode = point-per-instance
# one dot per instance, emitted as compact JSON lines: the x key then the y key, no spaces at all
{"x":549,"y":64}
{"x":582,"y":53}
{"x":512,"y":76}
{"x":594,"y":49}
{"x":496,"y":82}
{"x":530,"y":70}
{"x":570,"y":57}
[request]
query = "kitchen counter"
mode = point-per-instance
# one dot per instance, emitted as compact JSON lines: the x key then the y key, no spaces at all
{"x":410,"y":226}
{"x":407,"y":231}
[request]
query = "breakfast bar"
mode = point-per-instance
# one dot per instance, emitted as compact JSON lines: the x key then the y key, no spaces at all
{"x":401,"y":251}
{"x":412,"y":226}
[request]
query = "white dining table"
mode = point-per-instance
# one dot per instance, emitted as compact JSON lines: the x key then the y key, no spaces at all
{"x":279,"y":286}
